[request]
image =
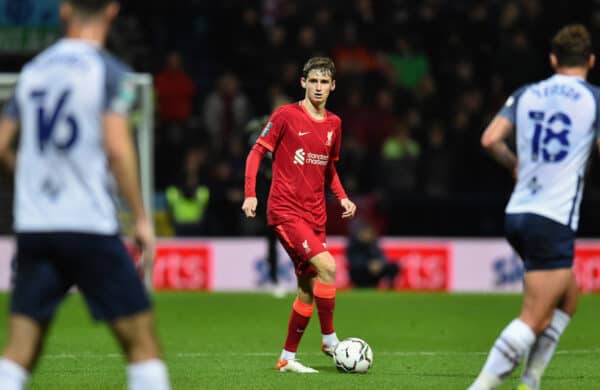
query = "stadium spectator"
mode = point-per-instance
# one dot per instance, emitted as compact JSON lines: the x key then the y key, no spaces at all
{"x":399,"y":162}
{"x":296,"y":209}
{"x":354,"y":57}
{"x":67,"y":233}
{"x":188,"y":202}
{"x":367,"y":263}
{"x":175,"y":90}
{"x":226,"y":195}
{"x":226,"y":110}
{"x":556,"y":126}
{"x":409,"y":65}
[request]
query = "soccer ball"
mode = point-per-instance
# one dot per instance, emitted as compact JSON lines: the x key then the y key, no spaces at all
{"x":353,"y":355}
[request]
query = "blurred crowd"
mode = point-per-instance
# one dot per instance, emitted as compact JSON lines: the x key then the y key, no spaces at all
{"x":417,"y":83}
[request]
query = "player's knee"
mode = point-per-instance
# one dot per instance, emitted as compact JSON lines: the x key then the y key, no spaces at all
{"x":137,"y":337}
{"x":327,"y":268}
{"x":325,"y":265}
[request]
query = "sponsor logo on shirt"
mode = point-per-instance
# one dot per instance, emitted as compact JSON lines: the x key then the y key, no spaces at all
{"x":301,"y":158}
{"x":266,"y":129}
{"x":329,"y":137}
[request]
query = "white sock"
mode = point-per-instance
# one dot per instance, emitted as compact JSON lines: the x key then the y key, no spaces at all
{"x":12,"y":375}
{"x":506,"y":354}
{"x":330,"y":339}
{"x":148,"y":375}
{"x":287,"y":355}
{"x":543,"y":349}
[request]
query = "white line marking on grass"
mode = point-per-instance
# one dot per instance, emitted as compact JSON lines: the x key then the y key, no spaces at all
{"x":90,"y":355}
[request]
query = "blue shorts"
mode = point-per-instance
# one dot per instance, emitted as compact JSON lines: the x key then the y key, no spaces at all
{"x":541,"y":242}
{"x":49,"y":264}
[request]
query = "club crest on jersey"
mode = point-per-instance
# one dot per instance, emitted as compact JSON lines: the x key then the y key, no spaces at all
{"x":305,"y":246}
{"x":329,"y":137}
{"x":266,"y":129}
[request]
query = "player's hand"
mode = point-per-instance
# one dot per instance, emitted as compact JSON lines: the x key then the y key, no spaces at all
{"x":349,"y":208}
{"x":144,"y":236}
{"x":249,"y":207}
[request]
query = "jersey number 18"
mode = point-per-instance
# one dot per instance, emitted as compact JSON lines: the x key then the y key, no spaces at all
{"x":553,"y":145}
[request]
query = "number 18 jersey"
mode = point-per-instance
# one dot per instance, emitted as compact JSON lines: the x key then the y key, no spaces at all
{"x":557,"y":121}
{"x":63,"y":181}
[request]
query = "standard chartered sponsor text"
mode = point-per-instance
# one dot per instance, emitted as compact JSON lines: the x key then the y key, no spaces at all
{"x":317,"y":159}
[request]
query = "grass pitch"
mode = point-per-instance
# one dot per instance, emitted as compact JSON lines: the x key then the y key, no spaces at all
{"x":231,"y":341}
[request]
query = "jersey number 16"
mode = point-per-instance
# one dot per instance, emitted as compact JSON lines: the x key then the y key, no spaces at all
{"x":48,"y":118}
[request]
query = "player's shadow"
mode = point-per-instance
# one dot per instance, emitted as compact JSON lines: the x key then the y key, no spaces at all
{"x":328,"y":368}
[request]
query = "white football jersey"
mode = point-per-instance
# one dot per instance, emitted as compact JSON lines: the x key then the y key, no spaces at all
{"x":557,"y":121}
{"x":63,"y":181}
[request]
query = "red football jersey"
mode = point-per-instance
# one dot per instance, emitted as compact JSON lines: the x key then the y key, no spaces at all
{"x":302,"y":147}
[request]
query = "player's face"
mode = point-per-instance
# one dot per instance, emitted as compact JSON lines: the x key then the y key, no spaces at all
{"x":318,"y":84}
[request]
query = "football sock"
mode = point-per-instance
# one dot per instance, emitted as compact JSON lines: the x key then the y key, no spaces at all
{"x":330,"y":339}
{"x":12,"y":375}
{"x":506,"y":354}
{"x":543,"y":349}
{"x":301,"y":313}
{"x":325,"y":299}
{"x":148,"y":375}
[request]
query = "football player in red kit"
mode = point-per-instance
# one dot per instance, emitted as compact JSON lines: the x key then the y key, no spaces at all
{"x":305,"y":140}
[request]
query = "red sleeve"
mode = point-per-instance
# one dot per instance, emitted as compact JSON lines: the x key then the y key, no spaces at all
{"x":337,"y":143}
{"x":271,"y":133}
{"x":252,"y":164}
{"x":333,"y":180}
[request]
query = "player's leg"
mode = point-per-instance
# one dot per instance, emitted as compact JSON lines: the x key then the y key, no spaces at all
{"x":542,"y":292}
{"x":546,"y":249}
{"x":324,"y":292}
{"x":137,"y":337}
{"x":25,"y":340}
{"x":291,"y":235}
{"x":39,"y":287}
{"x":302,"y":310}
{"x":543,"y":349}
{"x":114,"y":293}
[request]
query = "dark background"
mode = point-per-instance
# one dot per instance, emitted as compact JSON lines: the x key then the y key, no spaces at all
{"x":417,"y":83}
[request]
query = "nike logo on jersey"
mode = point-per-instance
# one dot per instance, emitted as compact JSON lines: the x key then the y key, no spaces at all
{"x":301,"y":133}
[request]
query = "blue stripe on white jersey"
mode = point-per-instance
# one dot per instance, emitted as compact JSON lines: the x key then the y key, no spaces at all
{"x":63,"y":182}
{"x":557,"y":121}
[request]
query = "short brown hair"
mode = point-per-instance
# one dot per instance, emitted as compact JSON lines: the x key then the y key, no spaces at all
{"x":321,"y":63}
{"x":572,"y":45}
{"x":89,"y":7}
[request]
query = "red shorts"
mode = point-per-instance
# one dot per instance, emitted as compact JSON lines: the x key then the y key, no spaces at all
{"x":302,"y":243}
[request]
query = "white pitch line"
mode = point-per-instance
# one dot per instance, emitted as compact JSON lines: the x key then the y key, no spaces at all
{"x":271,"y":354}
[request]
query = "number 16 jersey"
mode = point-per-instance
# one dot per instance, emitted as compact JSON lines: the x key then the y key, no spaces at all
{"x":63,"y":181}
{"x":557,"y":121}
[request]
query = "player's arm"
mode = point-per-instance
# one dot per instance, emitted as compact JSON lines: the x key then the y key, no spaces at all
{"x":9,"y":125}
{"x":332,"y":179}
{"x":124,"y":165}
{"x":494,"y":141}
{"x":255,"y":156}
{"x":123,"y":161}
{"x":267,"y":141}
{"x":8,"y":131}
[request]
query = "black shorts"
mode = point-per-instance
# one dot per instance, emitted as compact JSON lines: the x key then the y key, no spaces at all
{"x":49,"y":264}
{"x":541,"y":242}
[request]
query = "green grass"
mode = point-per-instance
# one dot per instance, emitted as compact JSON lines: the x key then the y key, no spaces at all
{"x":231,"y":341}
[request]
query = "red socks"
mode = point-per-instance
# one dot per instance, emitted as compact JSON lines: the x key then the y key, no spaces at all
{"x":325,"y":300}
{"x":301,"y":313}
{"x":299,"y":318}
